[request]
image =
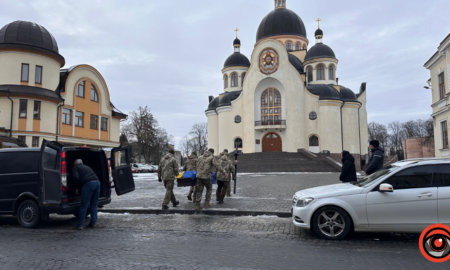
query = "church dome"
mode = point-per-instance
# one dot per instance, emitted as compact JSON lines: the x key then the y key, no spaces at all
{"x":237,"y":59}
{"x":347,"y":94}
{"x":228,"y":98}
{"x":318,"y":32}
{"x":298,"y":65}
{"x":213,"y":104}
{"x":324,"y":91}
{"x":237,"y":42}
{"x":319,"y":50}
{"x":281,"y":21}
{"x":29,"y":36}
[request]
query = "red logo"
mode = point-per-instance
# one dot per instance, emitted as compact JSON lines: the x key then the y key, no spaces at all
{"x":434,"y":243}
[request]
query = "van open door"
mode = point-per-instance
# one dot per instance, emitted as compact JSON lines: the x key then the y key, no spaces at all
{"x":121,"y":171}
{"x":50,"y":193}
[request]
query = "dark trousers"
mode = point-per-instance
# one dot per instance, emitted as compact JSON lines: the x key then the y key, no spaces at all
{"x":222,"y":187}
{"x":90,"y":193}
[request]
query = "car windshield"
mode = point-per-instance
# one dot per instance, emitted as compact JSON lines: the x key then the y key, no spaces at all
{"x":366,"y":181}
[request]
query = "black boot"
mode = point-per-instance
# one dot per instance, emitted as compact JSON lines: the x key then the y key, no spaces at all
{"x":165,"y":207}
{"x":176,"y":203}
{"x":221,"y":202}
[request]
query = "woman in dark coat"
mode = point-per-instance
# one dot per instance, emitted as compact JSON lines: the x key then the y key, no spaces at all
{"x":348,"y":173}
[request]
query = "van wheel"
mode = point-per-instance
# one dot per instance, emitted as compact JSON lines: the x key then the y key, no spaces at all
{"x":331,"y":223}
{"x":29,"y":214}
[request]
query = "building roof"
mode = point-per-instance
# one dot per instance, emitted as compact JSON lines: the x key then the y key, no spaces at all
{"x":237,"y":59}
{"x":29,"y":36}
{"x":319,"y":50}
{"x":327,"y":92}
{"x":213,"y":104}
{"x":298,"y":65}
{"x":236,"y":42}
{"x":318,"y":32}
{"x":281,"y":21}
{"x":347,"y":95}
{"x":30,"y":91}
{"x":228,"y":98}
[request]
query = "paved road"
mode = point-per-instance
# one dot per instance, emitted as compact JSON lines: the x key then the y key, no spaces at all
{"x":255,"y":192}
{"x":198,"y":242}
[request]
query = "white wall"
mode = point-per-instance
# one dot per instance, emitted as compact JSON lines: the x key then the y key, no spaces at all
{"x":351,"y":127}
{"x":213,"y":128}
{"x":228,"y":129}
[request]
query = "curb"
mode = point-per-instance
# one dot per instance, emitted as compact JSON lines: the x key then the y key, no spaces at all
{"x":193,"y":212}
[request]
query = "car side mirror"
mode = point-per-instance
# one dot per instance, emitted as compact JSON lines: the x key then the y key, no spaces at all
{"x":386,"y":188}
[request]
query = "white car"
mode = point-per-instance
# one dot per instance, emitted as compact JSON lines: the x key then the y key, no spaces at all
{"x":406,"y":196}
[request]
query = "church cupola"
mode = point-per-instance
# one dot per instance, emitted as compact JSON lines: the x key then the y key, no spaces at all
{"x":280,"y":4}
{"x":319,"y":33}
{"x":237,"y":42}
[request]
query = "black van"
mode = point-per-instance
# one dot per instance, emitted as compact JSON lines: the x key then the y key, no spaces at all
{"x":36,"y":182}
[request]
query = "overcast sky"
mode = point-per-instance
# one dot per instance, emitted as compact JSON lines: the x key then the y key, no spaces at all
{"x":168,"y":55}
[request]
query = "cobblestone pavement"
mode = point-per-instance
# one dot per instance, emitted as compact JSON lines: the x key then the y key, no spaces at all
{"x":255,"y":192}
{"x":198,"y":242}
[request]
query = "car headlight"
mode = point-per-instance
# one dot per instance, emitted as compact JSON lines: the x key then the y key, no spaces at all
{"x":304,"y":202}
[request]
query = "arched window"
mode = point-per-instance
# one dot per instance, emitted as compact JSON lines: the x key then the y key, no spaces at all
{"x":320,"y":73}
{"x":234,"y":80}
{"x":310,"y":74}
{"x":304,"y":47}
{"x":271,"y":107}
{"x":243,"y":77}
{"x":225,"y":81}
{"x":288,"y":46}
{"x":94,"y":95}
{"x":238,"y":143}
{"x":297,"y":47}
{"x":80,"y":90}
{"x":313,"y":140}
{"x":330,"y":73}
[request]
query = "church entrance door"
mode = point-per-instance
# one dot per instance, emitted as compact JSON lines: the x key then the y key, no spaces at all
{"x":272,"y":143}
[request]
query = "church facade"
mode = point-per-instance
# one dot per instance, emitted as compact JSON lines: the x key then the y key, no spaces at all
{"x":286,"y":96}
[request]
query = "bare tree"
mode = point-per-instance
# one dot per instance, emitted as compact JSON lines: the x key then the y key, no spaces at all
{"x":160,"y":144}
{"x":199,"y":141}
{"x":186,"y":146}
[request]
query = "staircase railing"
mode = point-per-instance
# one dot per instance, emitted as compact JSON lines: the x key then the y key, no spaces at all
{"x":270,"y":123}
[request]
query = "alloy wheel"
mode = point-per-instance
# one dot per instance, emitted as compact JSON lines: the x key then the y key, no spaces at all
{"x":331,"y":223}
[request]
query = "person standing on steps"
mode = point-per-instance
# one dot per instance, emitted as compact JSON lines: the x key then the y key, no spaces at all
{"x":376,"y":161}
{"x":205,"y":166}
{"x":223,"y":180}
{"x":168,"y":170}
{"x":88,"y":183}
{"x":348,"y":174}
{"x":189,"y":166}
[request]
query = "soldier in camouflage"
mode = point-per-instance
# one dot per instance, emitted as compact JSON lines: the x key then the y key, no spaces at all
{"x":167,"y":171}
{"x":233,"y":163}
{"x":223,"y":180}
{"x":189,"y":166}
{"x":205,"y":166}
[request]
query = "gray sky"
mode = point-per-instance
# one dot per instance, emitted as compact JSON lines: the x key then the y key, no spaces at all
{"x":168,"y":55}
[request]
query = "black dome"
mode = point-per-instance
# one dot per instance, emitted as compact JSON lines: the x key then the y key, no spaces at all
{"x":319,"y":50}
{"x":213,"y":104}
{"x":228,"y":98}
{"x":323,"y":91}
{"x":318,"y":32}
{"x":298,"y":65}
{"x":237,"y":59}
{"x":29,"y":35}
{"x":347,"y":94}
{"x":237,"y":42}
{"x":281,"y":21}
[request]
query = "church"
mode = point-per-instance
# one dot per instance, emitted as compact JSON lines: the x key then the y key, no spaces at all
{"x":287,"y":96}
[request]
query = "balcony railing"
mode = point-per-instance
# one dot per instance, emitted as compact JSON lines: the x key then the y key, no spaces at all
{"x":270,"y":123}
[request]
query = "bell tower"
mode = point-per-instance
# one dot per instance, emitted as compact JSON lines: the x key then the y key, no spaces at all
{"x":280,"y":4}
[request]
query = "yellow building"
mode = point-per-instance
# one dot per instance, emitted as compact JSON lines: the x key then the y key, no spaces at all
{"x":439,"y":67}
{"x":41,"y":100}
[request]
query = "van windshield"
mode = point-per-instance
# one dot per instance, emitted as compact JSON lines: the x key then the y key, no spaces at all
{"x":366,"y":181}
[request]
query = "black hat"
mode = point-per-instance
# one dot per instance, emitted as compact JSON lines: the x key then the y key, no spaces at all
{"x":172,"y":152}
{"x":211,"y":150}
{"x":226,"y":150}
{"x":375,"y":143}
{"x":344,"y":153}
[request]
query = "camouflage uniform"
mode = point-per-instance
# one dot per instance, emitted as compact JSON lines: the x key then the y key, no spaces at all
{"x":205,"y":166}
{"x":222,"y":181}
{"x":189,"y":166}
{"x":167,"y":171}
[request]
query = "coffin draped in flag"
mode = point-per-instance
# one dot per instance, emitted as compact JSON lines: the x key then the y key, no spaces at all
{"x":185,"y":179}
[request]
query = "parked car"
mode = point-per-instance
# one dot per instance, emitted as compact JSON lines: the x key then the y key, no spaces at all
{"x":406,"y":196}
{"x":140,"y":168}
{"x":35,"y":183}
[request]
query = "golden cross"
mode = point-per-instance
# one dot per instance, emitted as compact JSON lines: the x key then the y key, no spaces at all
{"x":236,"y":32}
{"x":318,"y":22}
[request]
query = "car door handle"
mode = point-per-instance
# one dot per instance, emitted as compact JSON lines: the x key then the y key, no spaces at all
{"x":425,"y":195}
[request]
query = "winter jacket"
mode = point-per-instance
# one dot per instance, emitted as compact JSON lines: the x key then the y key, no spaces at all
{"x":168,"y":168}
{"x":348,"y":173}
{"x":82,"y":174}
{"x":206,"y":164}
{"x":376,"y":161}
{"x":191,"y":164}
{"x":225,"y":164}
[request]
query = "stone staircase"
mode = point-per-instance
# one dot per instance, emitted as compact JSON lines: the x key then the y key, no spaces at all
{"x":282,"y":162}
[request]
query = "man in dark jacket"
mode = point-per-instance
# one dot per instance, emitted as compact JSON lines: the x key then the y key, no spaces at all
{"x":376,"y":161}
{"x":87,"y":181}
{"x":348,"y":173}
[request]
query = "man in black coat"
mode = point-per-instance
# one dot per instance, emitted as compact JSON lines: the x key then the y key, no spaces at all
{"x":348,"y":174}
{"x":87,"y":181}
{"x":376,"y":161}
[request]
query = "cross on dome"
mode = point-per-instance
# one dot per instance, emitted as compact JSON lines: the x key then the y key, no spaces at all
{"x":318,"y":22}
{"x":237,"y":30}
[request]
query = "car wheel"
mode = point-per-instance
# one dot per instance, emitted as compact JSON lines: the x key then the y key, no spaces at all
{"x":331,"y":223}
{"x":29,"y":214}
